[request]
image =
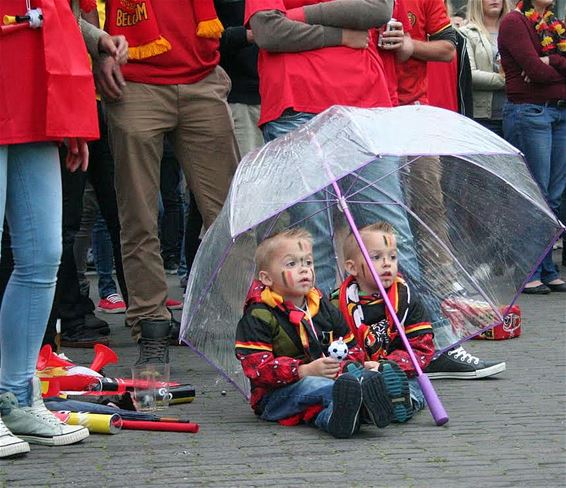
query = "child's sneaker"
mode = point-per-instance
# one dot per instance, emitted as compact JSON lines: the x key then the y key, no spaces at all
{"x":113,"y":303}
{"x":375,"y":398}
{"x":10,"y":445}
{"x":346,"y":404}
{"x":397,"y":386}
{"x":36,"y":424}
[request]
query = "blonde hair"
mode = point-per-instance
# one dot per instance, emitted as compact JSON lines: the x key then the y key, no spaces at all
{"x":351,"y":248}
{"x":474,"y":13}
{"x":265,"y":250}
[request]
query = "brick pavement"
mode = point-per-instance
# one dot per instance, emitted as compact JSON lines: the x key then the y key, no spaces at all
{"x":507,"y":431}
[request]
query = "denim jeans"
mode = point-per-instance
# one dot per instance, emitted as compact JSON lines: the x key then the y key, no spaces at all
{"x":295,"y":398}
{"x":417,"y":398}
{"x":30,"y":198}
{"x":539,"y":132}
{"x":103,"y":257}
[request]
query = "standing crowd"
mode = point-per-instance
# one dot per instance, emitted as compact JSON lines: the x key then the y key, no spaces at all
{"x":184,"y":92}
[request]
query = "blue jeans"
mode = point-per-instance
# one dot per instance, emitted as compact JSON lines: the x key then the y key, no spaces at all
{"x":539,"y":132}
{"x":417,"y":398}
{"x":30,"y":199}
{"x":103,"y":257}
{"x":293,"y":399}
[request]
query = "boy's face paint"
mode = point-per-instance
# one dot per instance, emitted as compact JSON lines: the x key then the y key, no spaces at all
{"x":382,"y":249}
{"x":292,"y":270}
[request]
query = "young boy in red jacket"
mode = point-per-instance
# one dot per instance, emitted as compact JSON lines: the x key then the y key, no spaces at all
{"x":282,"y":342}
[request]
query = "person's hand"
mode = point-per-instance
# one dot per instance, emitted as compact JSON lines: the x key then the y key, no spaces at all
{"x":371,"y":365}
{"x":325,"y":367}
{"x":77,"y":154}
{"x":115,"y":46}
{"x":393,"y":39}
{"x":108,"y":78}
{"x":355,"y":39}
{"x":250,"y":36}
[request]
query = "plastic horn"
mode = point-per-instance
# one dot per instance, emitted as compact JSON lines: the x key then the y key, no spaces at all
{"x":95,"y":422}
{"x":163,"y":426}
{"x":434,"y":404}
{"x":103,"y":355}
{"x":48,"y":359}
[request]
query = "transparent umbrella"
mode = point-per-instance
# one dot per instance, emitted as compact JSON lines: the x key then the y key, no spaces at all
{"x":471,"y":222}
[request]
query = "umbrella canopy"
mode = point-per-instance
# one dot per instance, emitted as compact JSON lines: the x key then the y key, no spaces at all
{"x":475,"y":248}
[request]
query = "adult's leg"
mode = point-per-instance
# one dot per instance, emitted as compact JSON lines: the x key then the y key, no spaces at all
{"x":33,"y":211}
{"x":204,"y":141}
{"x":172,"y":205}
{"x":101,"y":176}
{"x":83,"y":238}
{"x":529,"y":128}
{"x":246,"y":130}
{"x":137,"y":124}
{"x":320,"y":225}
{"x":103,"y":257}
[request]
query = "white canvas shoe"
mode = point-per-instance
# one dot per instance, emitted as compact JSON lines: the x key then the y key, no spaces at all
{"x":36,"y":424}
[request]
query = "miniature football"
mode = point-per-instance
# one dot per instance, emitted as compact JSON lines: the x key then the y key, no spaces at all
{"x":338,"y":350}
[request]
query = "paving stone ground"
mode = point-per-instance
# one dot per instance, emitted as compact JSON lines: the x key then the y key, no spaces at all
{"x":507,"y":431}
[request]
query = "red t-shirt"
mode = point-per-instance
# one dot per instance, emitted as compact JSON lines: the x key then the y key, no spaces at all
{"x":428,"y":17}
{"x":190,"y":59}
{"x":312,"y":81}
{"x":389,"y":57}
{"x":443,"y":84}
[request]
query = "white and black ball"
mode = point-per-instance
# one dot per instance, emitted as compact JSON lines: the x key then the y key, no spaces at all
{"x":338,"y":350}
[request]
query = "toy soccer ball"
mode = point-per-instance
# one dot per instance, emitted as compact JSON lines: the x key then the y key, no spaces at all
{"x":338,"y":350}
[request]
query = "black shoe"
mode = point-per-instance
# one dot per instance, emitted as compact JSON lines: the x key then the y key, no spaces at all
{"x":559,"y":287}
{"x":82,"y":337}
{"x":170,"y":265}
{"x":183,"y":282}
{"x":174,"y":332}
{"x":346,"y":405}
{"x":154,"y":341}
{"x":461,"y":365}
{"x":536,"y":290}
{"x":94,"y":323}
{"x":376,"y":399}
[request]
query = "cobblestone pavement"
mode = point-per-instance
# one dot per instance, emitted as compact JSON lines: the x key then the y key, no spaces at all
{"x":507,"y":431}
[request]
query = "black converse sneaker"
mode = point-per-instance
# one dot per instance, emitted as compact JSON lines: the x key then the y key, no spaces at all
{"x":461,"y":365}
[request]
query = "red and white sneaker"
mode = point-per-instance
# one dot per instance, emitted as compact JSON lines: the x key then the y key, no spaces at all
{"x":173,"y":304}
{"x":112,"y":304}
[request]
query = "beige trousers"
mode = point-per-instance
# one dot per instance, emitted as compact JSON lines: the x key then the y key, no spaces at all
{"x":198,"y":121}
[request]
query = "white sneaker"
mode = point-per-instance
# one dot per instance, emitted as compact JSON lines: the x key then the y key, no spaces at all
{"x":10,"y":445}
{"x":36,"y":424}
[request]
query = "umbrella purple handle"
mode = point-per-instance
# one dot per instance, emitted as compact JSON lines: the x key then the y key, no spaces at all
{"x":434,"y":404}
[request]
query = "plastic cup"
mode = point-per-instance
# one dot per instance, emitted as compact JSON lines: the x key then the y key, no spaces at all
{"x":151,"y":386}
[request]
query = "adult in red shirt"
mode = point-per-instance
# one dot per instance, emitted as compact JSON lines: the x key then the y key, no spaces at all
{"x":173,"y":86}
{"x":305,"y":69}
{"x":534,"y":117}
